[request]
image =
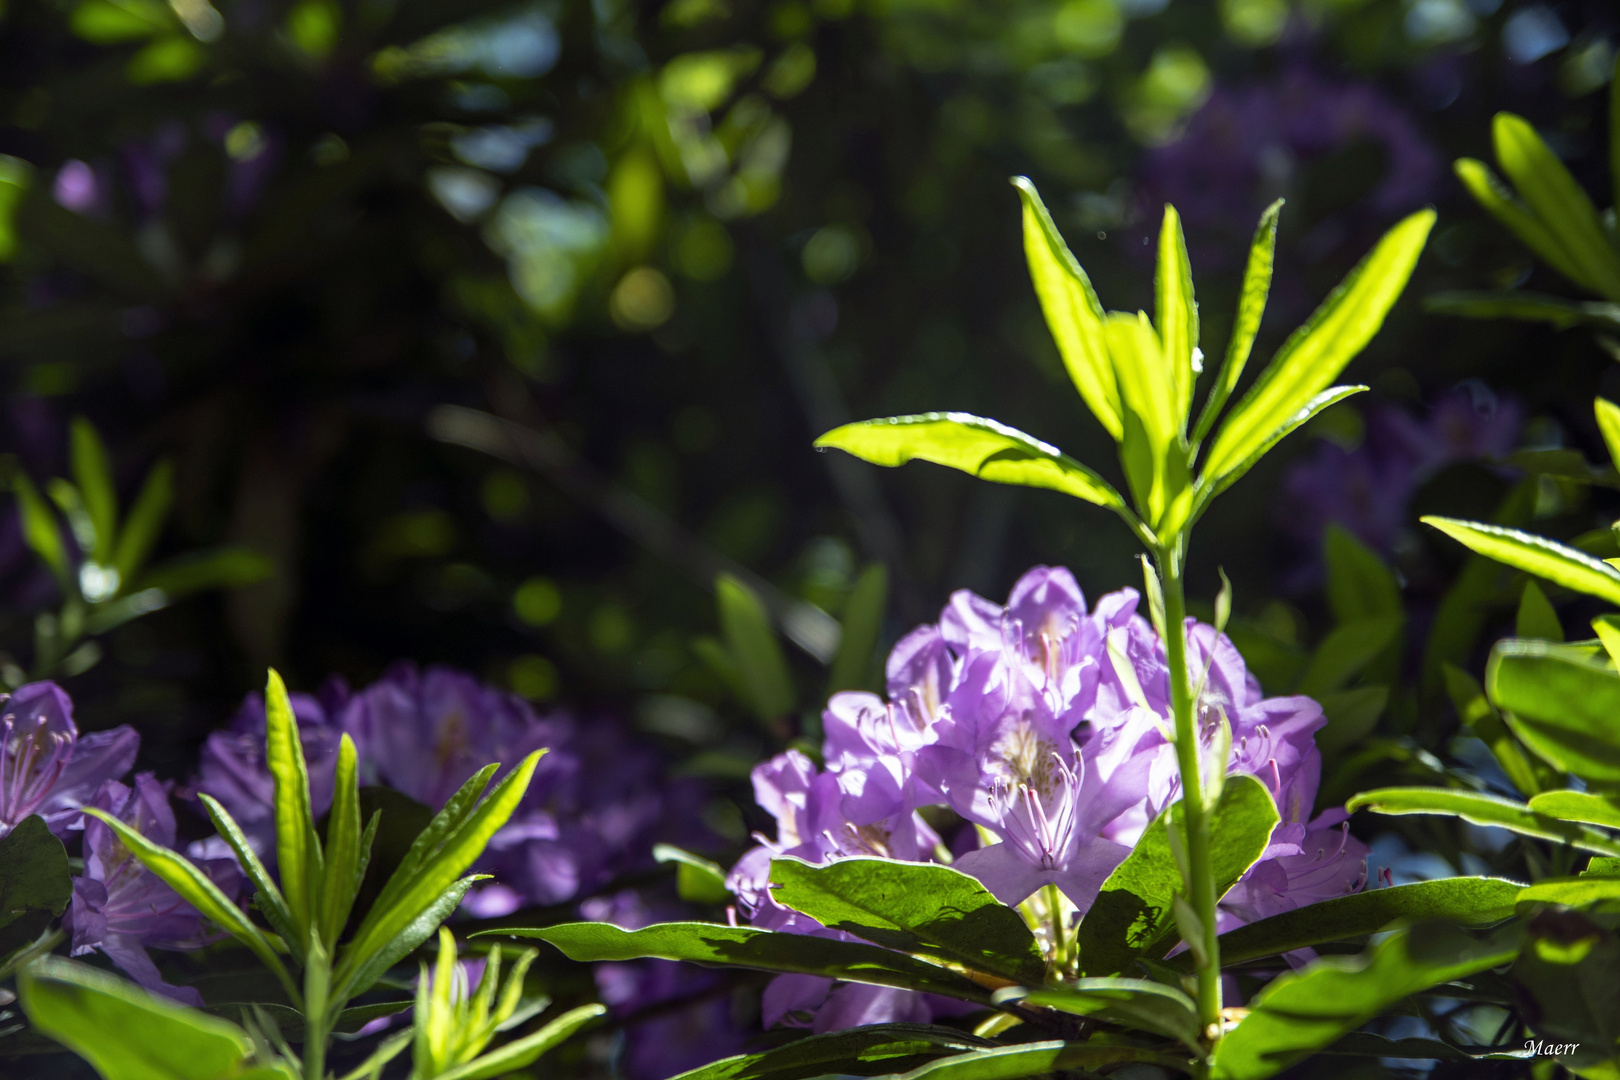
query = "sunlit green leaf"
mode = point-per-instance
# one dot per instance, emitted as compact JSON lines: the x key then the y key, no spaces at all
{"x":1215,"y":485}
{"x":1251,"y":307}
{"x":914,"y":907}
{"x":1608,"y":419}
{"x":1558,"y":201}
{"x":1155,"y":464}
{"x":267,"y":894}
{"x":984,"y":448}
{"x":1561,"y":701}
{"x":342,"y":853}
{"x":697,"y":880}
{"x":1483,"y":809}
{"x":1176,"y":313}
{"x":518,"y":1053}
{"x":298,"y":851}
{"x":1535,"y":555}
{"x":1587,"y":806}
{"x":754,"y":649}
{"x":1315,"y":354}
{"x":1572,"y":891}
{"x":1536,"y":617}
{"x":872,"y":1050}
{"x":1039,"y":1059}
{"x":1072,"y":311}
{"x":739,"y":946}
{"x":1137,"y":1003}
{"x":1303,"y":1012}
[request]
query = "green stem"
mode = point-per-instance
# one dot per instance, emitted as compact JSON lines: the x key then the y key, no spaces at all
{"x":1054,"y":912}
{"x":1201,"y":886}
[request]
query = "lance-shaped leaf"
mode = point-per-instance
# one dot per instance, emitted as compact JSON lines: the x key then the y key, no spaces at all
{"x":145,"y":522}
{"x":1521,"y":306}
{"x":1251,"y":308}
{"x":518,"y":1053}
{"x":128,"y":1034}
{"x":194,"y":887}
{"x":1136,"y":1003}
{"x":1558,"y":201}
{"x":298,"y":851}
{"x":1482,"y":809}
{"x":914,"y":907}
{"x":983,"y":448}
{"x":432,"y":867}
{"x":93,"y":475}
{"x":1536,"y":555}
{"x":1608,"y":417}
{"x":1572,"y":891}
{"x":267,"y":894}
{"x":343,"y":855}
{"x":1212,"y":485}
{"x":1475,"y":710}
{"x":1468,"y":901}
{"x":1040,"y":1059}
{"x":697,"y":880}
{"x":40,"y":530}
{"x":714,"y":945}
{"x":853,"y":666}
{"x":754,"y":649}
{"x":873,"y":1050}
{"x":1071,"y":309}
{"x":1561,"y":700}
{"x":1303,"y":1012}
{"x":1315,"y":354}
{"x":1132,"y":914}
{"x":360,"y":970}
{"x":1587,"y":806}
{"x":1155,"y":462}
{"x":1176,"y":312}
{"x":1501,"y":203}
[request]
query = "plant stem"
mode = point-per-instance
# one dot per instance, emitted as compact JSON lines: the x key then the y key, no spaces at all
{"x":1201,"y":886}
{"x":1054,"y":912}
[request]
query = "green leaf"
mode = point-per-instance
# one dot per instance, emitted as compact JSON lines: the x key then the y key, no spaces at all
{"x":1132,"y":914}
{"x":298,"y":851}
{"x":1251,"y":306}
{"x":1071,"y":309}
{"x":1572,"y":892}
{"x":1135,"y":1003}
{"x":1214,"y":485}
{"x":1608,"y":420}
{"x":983,"y":448}
{"x":1315,"y":354}
{"x":126,"y":1033}
{"x":1504,"y":205}
{"x":852,"y":667}
{"x":222,"y":568}
{"x":752,"y":643}
{"x":145,"y":521}
{"x":1365,"y":1044}
{"x":93,"y":475}
{"x":359,"y":970}
{"x":267,"y":895}
{"x":1471,"y":901}
{"x":41,"y":531}
{"x":1038,"y":1059}
{"x":1561,"y":701}
{"x":1476,"y":710}
{"x":194,"y":887}
{"x":426,"y":880}
{"x":697,"y":880}
{"x":874,"y":1050}
{"x":1348,"y":649}
{"x":1360,"y":585}
{"x":1303,"y":1012}
{"x":518,"y":1053}
{"x":913,"y":907}
{"x":1482,"y":809}
{"x":1536,"y":618}
{"x":1587,"y":806}
{"x":343,"y":856}
{"x":1536,"y":555}
{"x":1176,"y":312}
{"x":34,"y":875}
{"x":1155,"y":462}
{"x":1526,"y":307}
{"x":1351,"y":717}
{"x":1558,"y":201}
{"x":714,"y":945}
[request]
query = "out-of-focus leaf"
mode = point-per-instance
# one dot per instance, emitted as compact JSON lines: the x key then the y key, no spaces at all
{"x":1558,"y":201}
{"x":1526,"y":307}
{"x":1608,"y":420}
{"x":96,"y":249}
{"x":1360,"y":585}
{"x":1565,"y":987}
{"x":1131,"y":915}
{"x":93,"y":475}
{"x":738,"y":946}
{"x":168,"y":59}
{"x":1365,"y":1044}
{"x":39,"y":527}
{"x":1315,"y":354}
{"x":1039,"y":1059}
{"x":863,"y":623}
{"x":1251,"y":306}
{"x":1536,"y":618}
{"x":1535,"y":555}
{"x":102,"y":22}
{"x":1476,"y":710}
{"x":1501,"y":203}
{"x":753,"y":647}
{"x":1346,"y":650}
{"x":1351,"y":716}
{"x":1136,"y":1003}
{"x":1303,"y":1012}
{"x":145,"y":521}
{"x":126,"y":1033}
{"x":1561,"y":700}
{"x":697,"y":880}
{"x":983,"y":448}
{"x":914,"y":907}
{"x":1470,"y":901}
{"x":1072,"y":311}
{"x":872,"y":1050}
{"x":1482,"y":809}
{"x":222,"y":568}
{"x":1176,"y":312}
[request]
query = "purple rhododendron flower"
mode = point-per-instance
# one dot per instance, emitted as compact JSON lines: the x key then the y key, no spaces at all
{"x":1044,"y":724}
{"x":120,"y":907}
{"x":46,"y":766}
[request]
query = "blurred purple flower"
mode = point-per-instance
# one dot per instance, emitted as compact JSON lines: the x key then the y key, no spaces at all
{"x":146,"y":163}
{"x":77,"y":187}
{"x":46,"y":766}
{"x":120,"y":907}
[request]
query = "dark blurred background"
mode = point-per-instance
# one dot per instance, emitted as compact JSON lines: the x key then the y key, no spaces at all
{"x":270,"y":241}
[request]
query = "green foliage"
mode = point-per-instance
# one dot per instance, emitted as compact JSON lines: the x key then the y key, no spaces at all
{"x":697,"y":879}
{"x":34,"y":876}
{"x":1482,"y":809}
{"x":754,"y":650}
{"x":1560,"y":701}
{"x":873,"y":1050}
{"x":918,"y":908}
{"x":852,"y":667}
{"x":1138,"y":1003}
{"x":1536,"y":555}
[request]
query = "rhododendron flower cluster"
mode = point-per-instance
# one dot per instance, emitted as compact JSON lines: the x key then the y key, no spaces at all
{"x":1045,"y":726}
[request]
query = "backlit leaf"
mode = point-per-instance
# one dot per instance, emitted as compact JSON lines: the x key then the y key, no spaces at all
{"x":1536,"y":555}
{"x":1482,"y":809}
{"x":1137,"y":1003}
{"x":1561,"y":701}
